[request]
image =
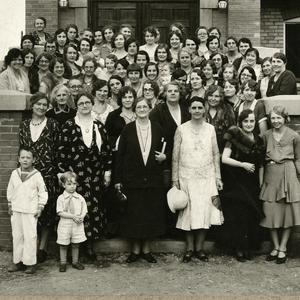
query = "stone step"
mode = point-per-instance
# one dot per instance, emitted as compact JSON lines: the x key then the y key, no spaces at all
{"x":163,"y":246}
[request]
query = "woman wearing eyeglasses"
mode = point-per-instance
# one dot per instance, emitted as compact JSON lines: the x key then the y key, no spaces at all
{"x":84,"y":149}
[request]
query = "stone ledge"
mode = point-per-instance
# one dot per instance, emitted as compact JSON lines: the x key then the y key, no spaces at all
{"x":13,"y":100}
{"x":77,"y":3}
{"x":291,"y":102}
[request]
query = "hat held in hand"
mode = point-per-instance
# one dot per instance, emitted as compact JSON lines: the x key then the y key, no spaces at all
{"x":177,"y":199}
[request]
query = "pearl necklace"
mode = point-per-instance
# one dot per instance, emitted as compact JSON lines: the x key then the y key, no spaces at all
{"x":37,"y":124}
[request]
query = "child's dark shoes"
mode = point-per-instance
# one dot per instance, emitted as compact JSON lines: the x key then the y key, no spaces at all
{"x":41,"y":256}
{"x":30,"y":269}
{"x":16,"y":267}
{"x":78,"y":266}
{"x":62,"y":267}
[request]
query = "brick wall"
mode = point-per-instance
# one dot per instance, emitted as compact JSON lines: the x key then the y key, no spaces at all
{"x":9,"y":126}
{"x":271,"y":27}
{"x":244,"y":19}
{"x":44,"y":8}
{"x":219,"y":19}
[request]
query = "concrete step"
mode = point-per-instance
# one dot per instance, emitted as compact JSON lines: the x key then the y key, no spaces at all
{"x":163,"y":246}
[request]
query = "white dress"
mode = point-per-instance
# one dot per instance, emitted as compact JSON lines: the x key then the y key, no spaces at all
{"x":196,"y":164}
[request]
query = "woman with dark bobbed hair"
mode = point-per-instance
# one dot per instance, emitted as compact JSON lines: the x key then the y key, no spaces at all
{"x":31,"y":69}
{"x":242,"y":159}
{"x":61,"y":41}
{"x":27,"y":42}
{"x":284,"y":81}
{"x":72,"y":34}
{"x":84,"y":149}
{"x":120,"y":117}
{"x":218,"y":113}
{"x":41,"y":134}
{"x":14,"y":77}
{"x":101,"y":108}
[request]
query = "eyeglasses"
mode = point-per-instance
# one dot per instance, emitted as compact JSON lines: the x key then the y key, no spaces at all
{"x":81,"y":104}
{"x":77,"y":87}
{"x":44,"y":61}
{"x":217,"y":59}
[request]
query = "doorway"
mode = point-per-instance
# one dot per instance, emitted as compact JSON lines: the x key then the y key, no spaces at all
{"x":142,"y":13}
{"x":292,"y":47}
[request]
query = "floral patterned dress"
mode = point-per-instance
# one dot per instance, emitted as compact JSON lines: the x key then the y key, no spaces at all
{"x":45,"y":152}
{"x":90,"y":165}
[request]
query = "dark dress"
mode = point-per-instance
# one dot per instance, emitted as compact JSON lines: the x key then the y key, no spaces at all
{"x":223,"y":119}
{"x":45,"y":152}
{"x":240,"y":196}
{"x":285,"y":84}
{"x":90,"y":165}
{"x":61,"y":116}
{"x":114,"y":125}
{"x":161,"y":115}
{"x":144,"y":216}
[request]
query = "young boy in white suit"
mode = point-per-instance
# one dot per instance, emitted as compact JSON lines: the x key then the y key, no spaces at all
{"x":27,"y":196}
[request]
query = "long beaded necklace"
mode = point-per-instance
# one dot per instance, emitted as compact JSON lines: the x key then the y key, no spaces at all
{"x":143,"y":140}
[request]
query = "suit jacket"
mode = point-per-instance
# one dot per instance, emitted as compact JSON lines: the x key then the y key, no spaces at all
{"x":130,"y":169}
{"x":285,"y":85}
{"x":163,"y":117}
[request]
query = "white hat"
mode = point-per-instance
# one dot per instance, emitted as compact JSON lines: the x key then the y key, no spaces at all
{"x":177,"y":199}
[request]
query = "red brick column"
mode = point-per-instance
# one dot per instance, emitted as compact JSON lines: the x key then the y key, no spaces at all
{"x":42,"y":8}
{"x":244,"y":19}
{"x":9,"y":126}
{"x":12,"y":105}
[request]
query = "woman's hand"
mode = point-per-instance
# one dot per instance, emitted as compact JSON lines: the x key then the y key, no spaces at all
{"x":219,"y":184}
{"x":107,"y":179}
{"x":10,"y":212}
{"x":160,"y":157}
{"x":250,"y":168}
{"x":38,"y":213}
{"x":176,"y":183}
{"x":118,"y":186}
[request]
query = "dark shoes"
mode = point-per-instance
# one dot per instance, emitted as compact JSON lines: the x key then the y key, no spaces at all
{"x":201,"y":255}
{"x":30,"y":269}
{"x":239,"y":255}
{"x":62,"y":267}
{"x":78,"y":266}
{"x":146,"y":256}
{"x":149,"y":258}
{"x":281,"y":260}
{"x":132,"y":258}
{"x":41,"y":256}
{"x":16,"y":267}
{"x":187,"y":256}
{"x":273,"y":255}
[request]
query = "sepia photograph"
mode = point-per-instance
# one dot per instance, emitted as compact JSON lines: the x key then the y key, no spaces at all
{"x":150,"y":149}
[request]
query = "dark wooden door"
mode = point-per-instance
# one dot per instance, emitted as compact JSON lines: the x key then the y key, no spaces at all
{"x":143,"y":13}
{"x":292,"y":48}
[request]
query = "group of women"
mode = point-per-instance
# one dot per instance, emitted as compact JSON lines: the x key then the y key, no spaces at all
{"x":133,"y":121}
